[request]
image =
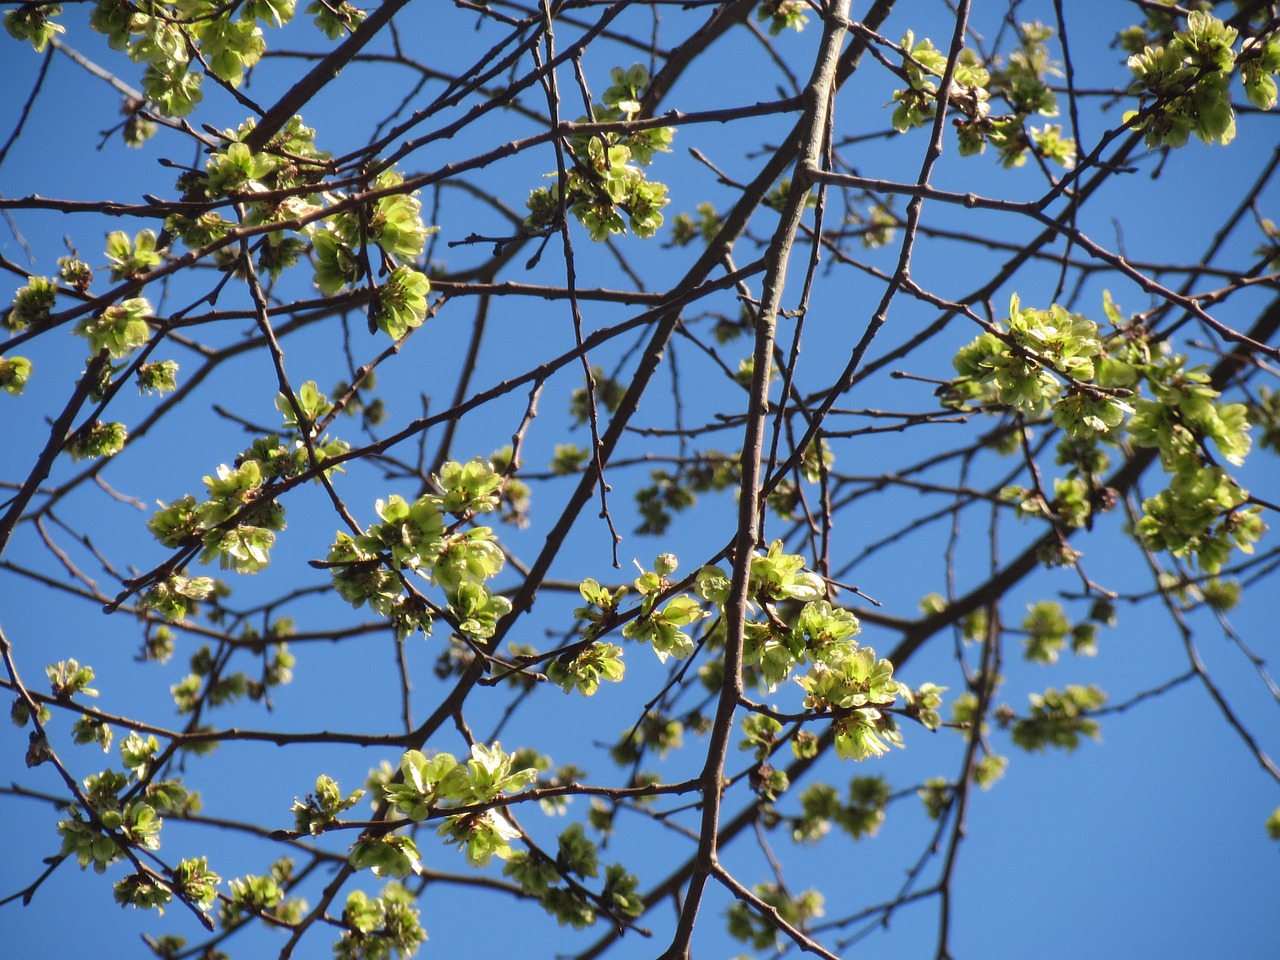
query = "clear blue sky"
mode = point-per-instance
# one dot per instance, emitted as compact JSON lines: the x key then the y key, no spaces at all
{"x":1148,"y":843}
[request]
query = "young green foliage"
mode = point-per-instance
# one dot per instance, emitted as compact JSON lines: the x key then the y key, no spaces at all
{"x":747,"y":926}
{"x":14,"y":372}
{"x":1059,"y":718}
{"x":606,"y":180}
{"x":34,"y":23}
{"x":782,"y":15}
{"x":319,"y":811}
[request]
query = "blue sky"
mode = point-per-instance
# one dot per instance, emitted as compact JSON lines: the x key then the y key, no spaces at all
{"x":1149,"y":842}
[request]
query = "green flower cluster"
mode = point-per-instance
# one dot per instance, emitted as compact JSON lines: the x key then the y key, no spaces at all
{"x":178,"y":40}
{"x":123,"y":810}
{"x":1059,"y":719}
{"x":1047,"y":630}
{"x":1021,"y":84}
{"x":235,"y":525}
{"x":67,"y":678}
{"x":158,"y":377}
{"x":1023,"y":369}
{"x":32,"y":304}
{"x":583,"y":669}
{"x":210,"y":684}
{"x":237,"y":521}
{"x":1264,"y":411}
{"x":586,"y":664}
{"x":95,"y":440}
{"x":922,"y":65}
{"x":577,"y":860}
{"x":1022,"y":81}
{"x":1071,"y":506}
{"x":1183,"y":85}
{"x":261,"y":895}
{"x":103,"y":790}
{"x":1204,"y":513}
{"x":859,"y":816}
{"x":782,"y":15}
{"x":120,"y":329}
{"x":413,"y":538}
{"x":1184,"y":413}
{"x":131,"y":258}
{"x":606,"y":179}
{"x":34,"y":23}
{"x":843,"y":678}
{"x":195,"y":882}
{"x":335,"y":19}
{"x":289,"y":161}
{"x":796,"y":626}
{"x":684,"y":229}
{"x":749,"y":927}
{"x":319,"y":811}
{"x":380,"y":928}
{"x":428,"y":787}
{"x":661,"y":627}
{"x":394,"y":223}
{"x":192,"y":880}
{"x":14,"y":372}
